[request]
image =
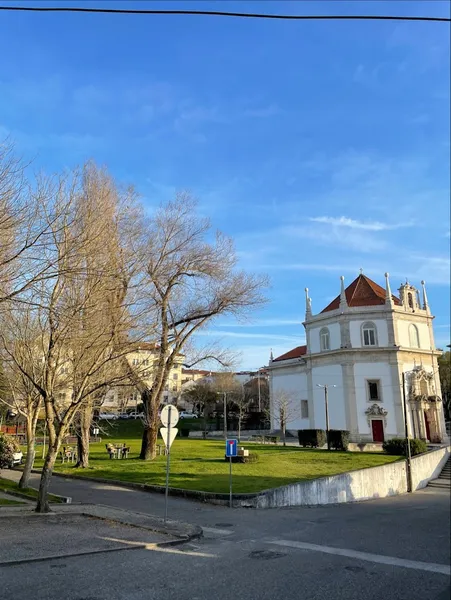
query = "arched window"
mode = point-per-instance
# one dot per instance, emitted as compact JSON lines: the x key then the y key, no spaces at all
{"x":324,"y":339}
{"x":414,"y":336}
{"x":369,"y":334}
{"x":410,"y":300}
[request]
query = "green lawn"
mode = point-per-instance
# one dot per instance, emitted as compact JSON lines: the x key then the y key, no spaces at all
{"x":199,"y":464}
{"x":7,"y":502}
{"x":6,"y":485}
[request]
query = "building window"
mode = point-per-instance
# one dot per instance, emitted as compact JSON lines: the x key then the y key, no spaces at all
{"x":146,"y":373}
{"x":175,"y":376}
{"x":146,"y":362}
{"x":135,"y":361}
{"x":324,"y":338}
{"x":174,"y":388}
{"x":369,"y":335}
{"x":410,"y":300}
{"x":373,"y":391}
{"x":413,"y":336}
{"x":304,"y":409}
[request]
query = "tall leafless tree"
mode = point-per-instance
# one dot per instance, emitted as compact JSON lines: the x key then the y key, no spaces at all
{"x":83,"y":319}
{"x":191,"y":279}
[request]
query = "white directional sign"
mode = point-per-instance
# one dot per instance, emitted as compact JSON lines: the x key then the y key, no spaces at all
{"x":174,"y":416}
{"x":173,"y":431}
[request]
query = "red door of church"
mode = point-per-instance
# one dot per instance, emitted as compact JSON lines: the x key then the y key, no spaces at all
{"x":378,"y":430}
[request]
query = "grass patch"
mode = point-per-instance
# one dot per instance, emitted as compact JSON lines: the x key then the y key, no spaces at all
{"x":6,"y":485}
{"x":199,"y":464}
{"x":7,"y":502}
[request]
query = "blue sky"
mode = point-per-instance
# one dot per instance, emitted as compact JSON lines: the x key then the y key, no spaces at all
{"x":321,"y":146}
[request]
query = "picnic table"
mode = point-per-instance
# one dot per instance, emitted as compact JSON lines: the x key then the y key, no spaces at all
{"x":68,"y":454}
{"x":121,"y":451}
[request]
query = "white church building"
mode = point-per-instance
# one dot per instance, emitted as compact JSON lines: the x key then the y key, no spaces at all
{"x":362,"y":346}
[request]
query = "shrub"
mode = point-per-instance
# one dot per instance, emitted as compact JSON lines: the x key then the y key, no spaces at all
{"x":312,"y":438}
{"x":184,"y":433}
{"x":8,"y":445}
{"x":398,"y":446}
{"x":252,"y":458}
{"x":339,"y":439}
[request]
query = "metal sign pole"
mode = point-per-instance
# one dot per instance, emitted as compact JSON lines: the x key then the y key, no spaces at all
{"x":168,"y":451}
{"x":230,"y":482}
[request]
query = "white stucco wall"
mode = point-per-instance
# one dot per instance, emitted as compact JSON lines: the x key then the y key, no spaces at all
{"x":381,"y":372}
{"x":403,"y":334}
{"x":334,"y":337}
{"x":355,"y":331}
{"x":330,"y":375}
{"x":294,"y":383}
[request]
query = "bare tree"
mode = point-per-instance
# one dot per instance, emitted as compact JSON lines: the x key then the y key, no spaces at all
{"x":190,"y":282}
{"x":202,"y":395}
{"x":19,"y":394}
{"x":282,"y":411}
{"x":242,"y":401}
{"x":83,"y":323}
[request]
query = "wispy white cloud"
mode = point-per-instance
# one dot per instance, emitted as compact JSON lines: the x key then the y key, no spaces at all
{"x":270,"y":337}
{"x":354,"y":224}
{"x":353,"y":239}
{"x":264,"y":323}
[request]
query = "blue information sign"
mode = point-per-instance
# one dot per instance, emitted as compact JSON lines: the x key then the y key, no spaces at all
{"x":231,"y":448}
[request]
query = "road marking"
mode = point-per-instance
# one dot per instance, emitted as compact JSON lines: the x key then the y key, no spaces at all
{"x":215,"y":531}
{"x":376,"y":558}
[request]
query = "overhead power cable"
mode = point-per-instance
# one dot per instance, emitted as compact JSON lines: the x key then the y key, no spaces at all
{"x":219,"y":13}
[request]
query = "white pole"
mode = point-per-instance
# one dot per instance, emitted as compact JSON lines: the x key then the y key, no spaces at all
{"x":167,"y":466}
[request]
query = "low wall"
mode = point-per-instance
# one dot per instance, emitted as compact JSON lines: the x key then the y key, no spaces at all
{"x":428,"y":466}
{"x":355,"y":486}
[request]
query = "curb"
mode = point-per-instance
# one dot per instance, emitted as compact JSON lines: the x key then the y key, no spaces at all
{"x":211,"y":497}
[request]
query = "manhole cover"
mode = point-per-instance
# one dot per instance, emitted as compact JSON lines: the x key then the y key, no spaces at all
{"x":223,"y":525}
{"x":265,"y":554}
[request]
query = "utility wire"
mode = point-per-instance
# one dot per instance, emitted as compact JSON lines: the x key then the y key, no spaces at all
{"x":218,"y":13}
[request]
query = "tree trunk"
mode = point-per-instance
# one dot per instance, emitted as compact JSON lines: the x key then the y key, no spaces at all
{"x":29,"y":461}
{"x":83,"y":435}
{"x":43,"y":503}
{"x":149,"y":442}
{"x":239,"y":428}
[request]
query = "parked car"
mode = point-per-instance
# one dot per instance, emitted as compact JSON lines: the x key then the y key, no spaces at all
{"x":108,"y":416}
{"x":187,"y":415}
{"x":123,"y":416}
{"x":136,"y":415}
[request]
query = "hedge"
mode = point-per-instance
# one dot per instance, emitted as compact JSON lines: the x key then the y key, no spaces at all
{"x":398,"y":446}
{"x":8,"y":446}
{"x":311,"y":438}
{"x":339,"y":439}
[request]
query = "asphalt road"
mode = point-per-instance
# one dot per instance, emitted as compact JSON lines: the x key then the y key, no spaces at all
{"x":396,"y":548}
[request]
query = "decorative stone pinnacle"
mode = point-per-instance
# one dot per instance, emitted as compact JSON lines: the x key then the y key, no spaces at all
{"x":343,"y":301}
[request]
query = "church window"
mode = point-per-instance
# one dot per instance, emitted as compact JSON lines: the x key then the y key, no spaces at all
{"x":304,"y":409}
{"x":373,"y":391}
{"x":369,"y":334}
{"x":410,"y":300}
{"x":414,"y":338}
{"x":324,"y":338}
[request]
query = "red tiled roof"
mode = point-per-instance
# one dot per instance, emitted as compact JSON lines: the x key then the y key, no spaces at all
{"x":295,"y":353}
{"x":195,"y":372}
{"x":362,"y":292}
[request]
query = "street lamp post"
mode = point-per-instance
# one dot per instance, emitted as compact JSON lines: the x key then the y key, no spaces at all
{"x":326,"y":403}
{"x":406,"y":428}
